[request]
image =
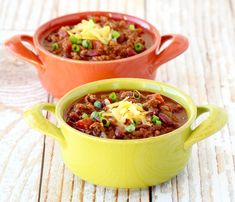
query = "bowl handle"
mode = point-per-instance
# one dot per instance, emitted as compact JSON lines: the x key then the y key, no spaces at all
{"x":35,"y":119}
{"x":216,"y":119}
{"x":177,"y":46}
{"x":15,"y":44}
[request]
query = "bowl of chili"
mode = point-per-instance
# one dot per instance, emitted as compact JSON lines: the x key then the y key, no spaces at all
{"x":74,"y":49}
{"x":131,"y":160}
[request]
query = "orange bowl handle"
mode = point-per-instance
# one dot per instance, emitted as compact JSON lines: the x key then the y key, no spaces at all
{"x":15,"y":44}
{"x":177,"y":46}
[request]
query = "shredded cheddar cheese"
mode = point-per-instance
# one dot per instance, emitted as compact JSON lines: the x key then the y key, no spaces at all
{"x":126,"y":110}
{"x":92,"y":31}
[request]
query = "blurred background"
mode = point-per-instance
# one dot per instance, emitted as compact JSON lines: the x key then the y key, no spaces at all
{"x":31,"y":168}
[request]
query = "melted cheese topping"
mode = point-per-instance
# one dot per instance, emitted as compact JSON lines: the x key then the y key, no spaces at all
{"x":126,"y":110}
{"x":92,"y":31}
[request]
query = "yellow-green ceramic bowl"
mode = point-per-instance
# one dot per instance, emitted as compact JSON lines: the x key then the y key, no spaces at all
{"x":126,"y":163}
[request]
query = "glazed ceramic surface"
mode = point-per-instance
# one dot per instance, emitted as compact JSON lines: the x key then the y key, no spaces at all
{"x":126,"y":163}
{"x":59,"y":75}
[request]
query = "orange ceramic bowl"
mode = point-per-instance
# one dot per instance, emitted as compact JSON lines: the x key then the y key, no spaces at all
{"x":59,"y":75}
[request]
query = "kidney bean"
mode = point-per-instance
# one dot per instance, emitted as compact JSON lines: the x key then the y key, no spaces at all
{"x":130,"y":52}
{"x":67,"y":46}
{"x":167,"y":120}
{"x":90,"y":98}
{"x":73,"y":116}
{"x":119,"y":134}
{"x":92,"y":53}
{"x":121,"y":38}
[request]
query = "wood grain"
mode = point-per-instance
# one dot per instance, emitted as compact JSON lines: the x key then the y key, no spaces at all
{"x":21,"y":148}
{"x":31,"y":168}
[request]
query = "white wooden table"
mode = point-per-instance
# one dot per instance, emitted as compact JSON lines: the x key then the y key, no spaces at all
{"x":31,"y":168}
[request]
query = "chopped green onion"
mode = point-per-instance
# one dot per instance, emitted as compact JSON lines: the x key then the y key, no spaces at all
{"x":54,"y":46}
{"x":79,"y":41}
{"x":130,"y":128}
{"x":115,"y":34}
{"x":113,"y":96}
{"x":154,"y":118}
{"x":98,"y":104}
{"x":86,"y":44}
{"x":132,"y":27}
{"x":140,"y":104}
{"x":105,"y":122}
{"x":73,"y":39}
{"x":138,"y":47}
{"x":95,"y":115}
{"x":92,"y":19}
{"x":135,"y":122}
{"x":75,"y":48}
{"x":136,"y":94}
{"x":101,"y":114}
{"x":158,"y":122}
{"x":85,"y":116}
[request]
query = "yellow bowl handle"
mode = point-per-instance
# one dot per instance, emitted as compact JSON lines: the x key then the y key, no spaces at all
{"x":216,"y":119}
{"x":35,"y":119}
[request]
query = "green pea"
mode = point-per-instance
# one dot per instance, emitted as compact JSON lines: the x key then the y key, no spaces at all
{"x":86,"y":43}
{"x":113,"y":96}
{"x":73,"y":39}
{"x":136,"y":94}
{"x":138,"y":47}
{"x":79,"y":41}
{"x":92,"y":19}
{"x":54,"y":46}
{"x":115,"y":34}
{"x":98,"y":104}
{"x":130,"y":128}
{"x":155,"y":118}
{"x":75,"y":48}
{"x":158,"y":122}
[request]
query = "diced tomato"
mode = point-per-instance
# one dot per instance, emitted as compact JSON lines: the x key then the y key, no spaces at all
{"x":62,"y":33}
{"x":160,"y":98}
{"x":84,"y":123}
{"x":67,"y":46}
{"x":97,"y":44}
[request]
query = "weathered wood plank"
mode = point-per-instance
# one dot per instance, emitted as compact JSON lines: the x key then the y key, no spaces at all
{"x":218,"y":185}
{"x":21,"y":148}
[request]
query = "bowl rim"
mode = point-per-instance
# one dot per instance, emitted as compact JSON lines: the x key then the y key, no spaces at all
{"x":44,"y":27}
{"x":65,"y":98}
